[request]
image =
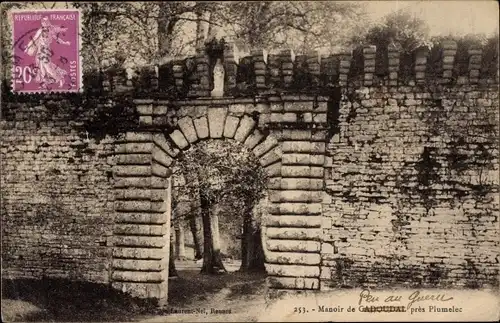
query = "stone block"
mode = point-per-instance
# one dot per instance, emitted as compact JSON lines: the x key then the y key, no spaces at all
{"x":127,"y":217}
{"x":244,"y":129}
{"x":296,"y":134}
{"x":162,"y":157}
{"x":301,"y":184}
{"x":160,"y":110}
{"x":139,"y":241}
{"x":140,"y":253}
{"x":132,"y":182}
{"x":138,"y":264}
{"x":292,"y":245}
{"x":303,"y":147}
{"x":299,"y":196}
{"x":253,"y":139}
{"x":296,"y":171}
{"x":292,"y":258}
{"x":140,"y":229}
{"x":134,"y":148}
{"x":201,"y":126}
{"x":216,"y":121}
{"x":320,"y":118}
{"x":271,"y":157}
{"x":273,"y":170}
{"x":132,"y":194}
{"x":187,"y":127}
{"x":139,"y":137}
{"x":294,"y":233}
{"x":145,"y":120}
{"x":133,"y":206}
{"x":179,"y":139}
{"x":137,"y":276}
{"x":292,"y":221}
{"x":144,"y":109}
{"x":160,"y":170}
{"x":299,"y":106}
{"x":300,"y":208}
{"x":161,"y":141}
{"x":134,"y":159}
{"x":156,"y":290}
{"x":132,"y":170}
{"x":231,"y":126}
{"x":293,"y":283}
{"x":292,"y":270}
{"x":269,"y":143}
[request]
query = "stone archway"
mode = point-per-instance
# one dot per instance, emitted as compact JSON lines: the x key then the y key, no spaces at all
{"x":293,"y":154}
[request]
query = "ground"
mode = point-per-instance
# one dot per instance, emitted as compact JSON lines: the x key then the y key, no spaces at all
{"x":28,"y":300}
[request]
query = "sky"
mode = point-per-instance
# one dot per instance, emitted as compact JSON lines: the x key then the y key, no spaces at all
{"x":445,"y":17}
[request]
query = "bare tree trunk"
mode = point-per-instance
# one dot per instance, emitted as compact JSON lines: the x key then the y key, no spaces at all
{"x":166,"y":25}
{"x":200,"y":30}
{"x":252,"y":253}
{"x":212,"y":262}
{"x":180,"y":250}
{"x":193,"y":224}
{"x":172,"y":272}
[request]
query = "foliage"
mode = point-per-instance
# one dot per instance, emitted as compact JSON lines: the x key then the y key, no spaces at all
{"x":400,"y":29}
{"x":228,"y":173}
{"x":299,"y":25}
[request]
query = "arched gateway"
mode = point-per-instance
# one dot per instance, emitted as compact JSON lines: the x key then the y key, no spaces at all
{"x":293,"y":158}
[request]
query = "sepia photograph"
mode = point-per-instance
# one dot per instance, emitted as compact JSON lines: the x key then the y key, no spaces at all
{"x":250,"y":161}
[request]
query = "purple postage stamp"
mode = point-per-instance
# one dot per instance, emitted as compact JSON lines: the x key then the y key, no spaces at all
{"x":46,"y":51}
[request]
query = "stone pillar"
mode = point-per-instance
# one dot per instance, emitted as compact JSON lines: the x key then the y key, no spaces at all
{"x":420,"y":64}
{"x":260,"y":69}
{"x":475,"y":58}
{"x":203,"y":74}
{"x":142,"y":212}
{"x":369,"y":53}
{"x":393,"y":67}
{"x":449,"y":52}
{"x":293,"y":227}
{"x":178,"y":69}
{"x":344,"y":66}
{"x":274,"y":71}
{"x":286,"y":67}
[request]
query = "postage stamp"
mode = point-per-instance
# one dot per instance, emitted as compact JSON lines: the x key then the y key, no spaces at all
{"x":46,"y":51}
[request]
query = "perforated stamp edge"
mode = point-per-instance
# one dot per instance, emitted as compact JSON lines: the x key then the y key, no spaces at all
{"x":80,"y":84}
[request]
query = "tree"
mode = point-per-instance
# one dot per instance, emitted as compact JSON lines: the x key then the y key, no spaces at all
{"x":298,"y":25}
{"x":400,"y":28}
{"x":221,"y":173}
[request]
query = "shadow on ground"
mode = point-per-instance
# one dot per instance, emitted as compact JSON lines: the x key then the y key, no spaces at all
{"x":69,"y":301}
{"x":64,"y":300}
{"x":192,"y":287}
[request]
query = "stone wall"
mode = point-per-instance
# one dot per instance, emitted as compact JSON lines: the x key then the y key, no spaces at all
{"x":412,"y":179}
{"x":383,"y":168}
{"x":57,"y":202}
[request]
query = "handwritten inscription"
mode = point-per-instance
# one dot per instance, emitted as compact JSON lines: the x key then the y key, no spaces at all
{"x":366,"y":297}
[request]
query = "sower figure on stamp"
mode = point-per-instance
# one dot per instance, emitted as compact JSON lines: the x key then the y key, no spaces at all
{"x":47,"y":72}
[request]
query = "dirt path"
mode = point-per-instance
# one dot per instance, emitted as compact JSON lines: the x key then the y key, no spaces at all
{"x":243,"y":300}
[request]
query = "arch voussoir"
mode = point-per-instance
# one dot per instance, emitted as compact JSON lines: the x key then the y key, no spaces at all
{"x":253,"y":139}
{"x":244,"y":129}
{"x":216,"y":121}
{"x":231,"y":125}
{"x":271,"y":156}
{"x":187,"y":128}
{"x":178,"y":138}
{"x":269,"y":143}
{"x":201,"y":127}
